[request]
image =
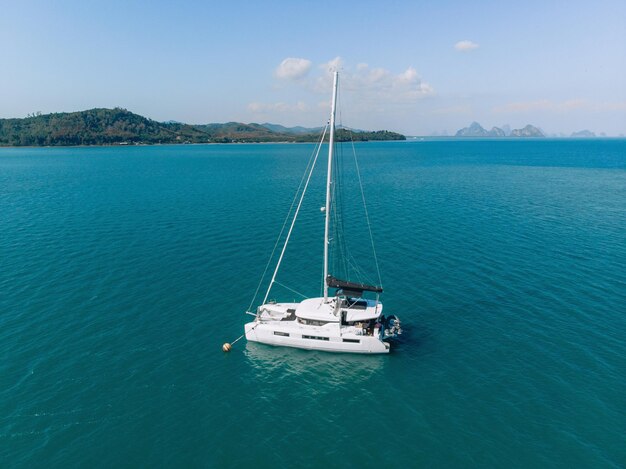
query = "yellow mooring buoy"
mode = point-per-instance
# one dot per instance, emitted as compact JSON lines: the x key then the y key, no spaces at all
{"x":228,"y":347}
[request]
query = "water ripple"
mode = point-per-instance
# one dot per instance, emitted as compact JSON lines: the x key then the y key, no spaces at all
{"x":123,"y":270}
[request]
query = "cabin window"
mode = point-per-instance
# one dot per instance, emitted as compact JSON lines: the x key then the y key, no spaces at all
{"x":284,"y":334}
{"x":352,"y":341}
{"x":312,"y":322}
{"x":314,"y":337}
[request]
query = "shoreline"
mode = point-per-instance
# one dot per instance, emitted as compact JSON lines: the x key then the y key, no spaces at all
{"x":407,"y":140}
{"x":132,"y":145}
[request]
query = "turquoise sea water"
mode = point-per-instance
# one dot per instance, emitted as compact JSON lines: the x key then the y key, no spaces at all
{"x":123,"y":270}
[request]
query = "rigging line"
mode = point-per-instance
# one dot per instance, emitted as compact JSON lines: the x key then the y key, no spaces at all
{"x":340,"y":251}
{"x":346,"y":246}
{"x":269,"y":261}
{"x":341,"y":202}
{"x":359,"y":273}
{"x":369,"y":226}
{"x":290,"y":289}
{"x":295,"y":216}
{"x":295,"y":197}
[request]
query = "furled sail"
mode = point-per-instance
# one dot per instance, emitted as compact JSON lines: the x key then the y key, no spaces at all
{"x":351,"y":288}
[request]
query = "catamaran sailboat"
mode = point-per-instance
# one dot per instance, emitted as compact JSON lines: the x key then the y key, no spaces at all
{"x":344,"y":319}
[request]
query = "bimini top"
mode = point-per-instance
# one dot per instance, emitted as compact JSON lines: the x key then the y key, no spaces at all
{"x":351,"y":288}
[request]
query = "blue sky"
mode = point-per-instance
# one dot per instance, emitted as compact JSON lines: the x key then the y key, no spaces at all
{"x":414,"y":67}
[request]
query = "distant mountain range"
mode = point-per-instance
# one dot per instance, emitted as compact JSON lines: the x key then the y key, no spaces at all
{"x":583,"y":134}
{"x":476,"y":130}
{"x":292,"y":130}
{"x":119,"y":126}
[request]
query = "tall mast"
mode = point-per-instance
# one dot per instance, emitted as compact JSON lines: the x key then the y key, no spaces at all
{"x":331,"y":144}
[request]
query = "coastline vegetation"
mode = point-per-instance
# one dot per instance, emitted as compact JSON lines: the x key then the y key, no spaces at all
{"x":121,"y":127}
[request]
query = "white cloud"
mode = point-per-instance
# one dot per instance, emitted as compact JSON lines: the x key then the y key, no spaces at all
{"x":364,"y":89}
{"x":293,"y":68}
{"x":378,"y":75}
{"x":408,"y":85}
{"x":385,"y":85}
{"x":333,"y":65}
{"x":409,"y":76}
{"x":465,"y":46}
{"x":374,"y":84}
{"x":324,"y":82}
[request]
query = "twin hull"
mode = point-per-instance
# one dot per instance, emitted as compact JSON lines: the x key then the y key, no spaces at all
{"x":328,"y":338}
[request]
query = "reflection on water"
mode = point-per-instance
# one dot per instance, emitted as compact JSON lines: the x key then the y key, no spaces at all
{"x":339,"y":369}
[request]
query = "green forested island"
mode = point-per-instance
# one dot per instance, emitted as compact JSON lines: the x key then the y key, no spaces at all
{"x":121,"y":127}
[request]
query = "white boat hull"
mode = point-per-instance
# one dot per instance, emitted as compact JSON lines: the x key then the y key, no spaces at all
{"x":326,"y":338}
